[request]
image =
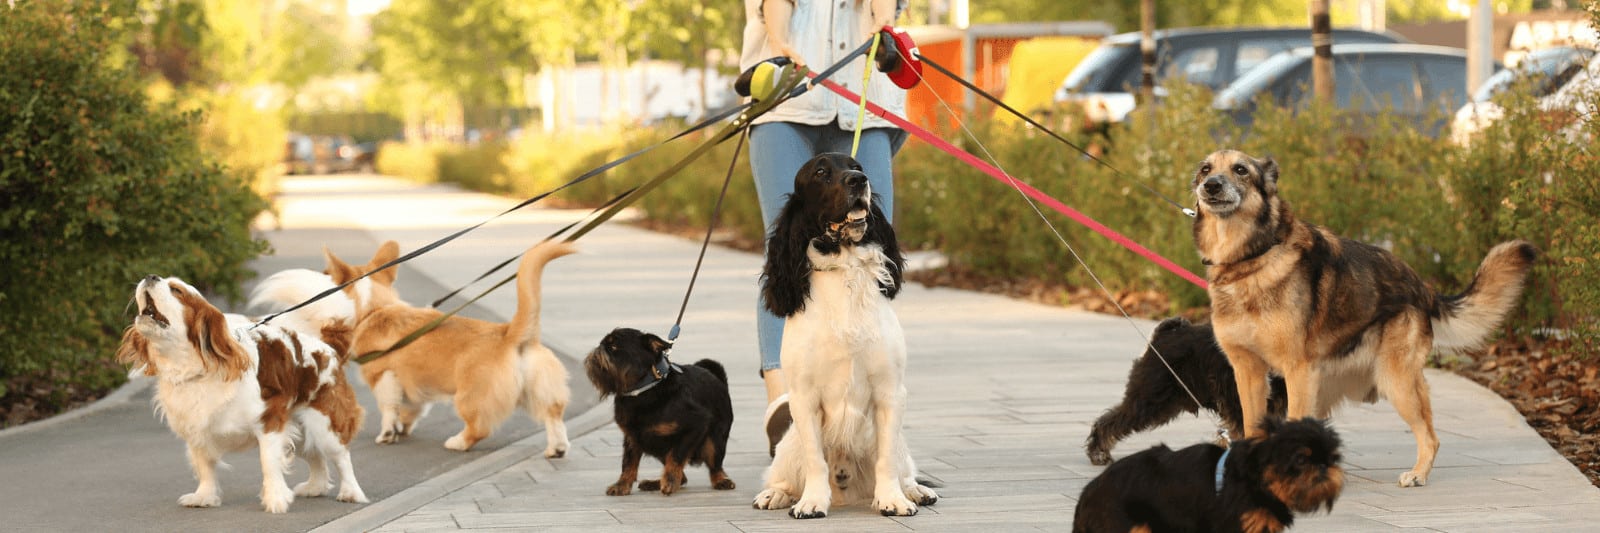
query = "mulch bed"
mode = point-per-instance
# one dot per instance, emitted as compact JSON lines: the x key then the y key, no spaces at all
{"x":30,"y":398}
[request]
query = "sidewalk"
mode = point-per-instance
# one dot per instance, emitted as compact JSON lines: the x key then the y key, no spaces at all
{"x":1001,"y":395}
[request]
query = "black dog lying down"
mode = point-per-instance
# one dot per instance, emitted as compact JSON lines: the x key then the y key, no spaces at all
{"x":1257,"y":485}
{"x":680,"y":415}
{"x":1154,"y":398}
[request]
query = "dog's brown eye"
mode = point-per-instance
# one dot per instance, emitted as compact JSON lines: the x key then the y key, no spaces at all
{"x":1205,"y":169}
{"x":176,"y":290}
{"x":1240,"y":170}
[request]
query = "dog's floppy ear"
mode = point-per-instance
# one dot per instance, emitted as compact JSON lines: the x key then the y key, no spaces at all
{"x":786,"y":276}
{"x":135,"y":352}
{"x":1171,"y":324}
{"x":880,"y":231}
{"x":1270,"y":424}
{"x":656,"y":344}
{"x":387,"y":252}
{"x":1269,"y":175}
{"x":210,"y":335}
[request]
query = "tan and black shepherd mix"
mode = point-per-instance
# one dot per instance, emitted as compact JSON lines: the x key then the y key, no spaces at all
{"x":1337,"y":318}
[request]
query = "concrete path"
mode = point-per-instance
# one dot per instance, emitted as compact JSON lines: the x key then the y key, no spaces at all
{"x":1001,"y":396}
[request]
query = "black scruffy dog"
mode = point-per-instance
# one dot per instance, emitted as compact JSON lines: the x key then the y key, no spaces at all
{"x":1154,"y":398}
{"x":678,"y":414}
{"x":1263,"y":482}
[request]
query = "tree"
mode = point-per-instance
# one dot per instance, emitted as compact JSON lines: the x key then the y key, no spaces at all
{"x":689,"y":30}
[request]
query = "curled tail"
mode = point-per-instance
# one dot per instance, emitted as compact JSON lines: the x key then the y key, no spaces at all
{"x":715,"y":368}
{"x":287,"y":288}
{"x":1464,"y":321}
{"x":524,"y":327}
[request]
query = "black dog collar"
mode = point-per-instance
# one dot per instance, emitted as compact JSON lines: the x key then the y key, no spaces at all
{"x":657,"y":374}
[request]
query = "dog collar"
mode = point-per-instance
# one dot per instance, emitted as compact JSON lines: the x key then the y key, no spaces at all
{"x":657,"y":375}
{"x":1221,"y":463}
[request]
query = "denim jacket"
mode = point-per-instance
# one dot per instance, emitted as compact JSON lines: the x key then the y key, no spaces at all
{"x":823,"y":31}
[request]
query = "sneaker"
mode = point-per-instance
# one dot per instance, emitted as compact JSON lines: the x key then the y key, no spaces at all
{"x":778,"y":421}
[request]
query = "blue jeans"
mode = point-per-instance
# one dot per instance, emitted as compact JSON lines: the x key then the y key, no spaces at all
{"x":777,"y":151}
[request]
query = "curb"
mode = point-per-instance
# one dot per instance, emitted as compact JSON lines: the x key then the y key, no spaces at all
{"x":117,"y":397}
{"x":381,"y":512}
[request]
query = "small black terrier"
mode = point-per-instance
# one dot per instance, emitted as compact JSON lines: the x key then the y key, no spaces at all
{"x":680,"y":415}
{"x":1256,"y":485}
{"x":1154,"y":398}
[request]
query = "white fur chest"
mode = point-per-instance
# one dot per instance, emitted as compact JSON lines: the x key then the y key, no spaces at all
{"x":846,"y":294}
{"x":208,"y":411}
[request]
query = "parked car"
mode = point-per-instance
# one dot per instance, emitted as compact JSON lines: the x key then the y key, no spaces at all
{"x":1105,"y":81}
{"x":323,"y":154}
{"x":1544,"y":72}
{"x":1421,"y":82}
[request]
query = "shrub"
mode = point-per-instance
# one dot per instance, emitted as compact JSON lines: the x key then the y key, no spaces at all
{"x":412,"y":161}
{"x":100,"y":188}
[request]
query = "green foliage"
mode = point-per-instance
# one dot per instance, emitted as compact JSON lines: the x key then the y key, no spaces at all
{"x":363,"y":126}
{"x":100,"y":188}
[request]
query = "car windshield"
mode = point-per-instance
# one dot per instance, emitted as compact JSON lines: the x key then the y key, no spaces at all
{"x":1094,"y":73}
{"x":1555,"y":65}
{"x":1252,"y":82}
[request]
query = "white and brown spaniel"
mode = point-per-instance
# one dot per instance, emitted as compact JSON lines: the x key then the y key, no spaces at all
{"x":832,"y":266}
{"x":225,"y":386}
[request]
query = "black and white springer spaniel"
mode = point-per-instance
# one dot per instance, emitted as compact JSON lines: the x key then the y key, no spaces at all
{"x":832,"y":267}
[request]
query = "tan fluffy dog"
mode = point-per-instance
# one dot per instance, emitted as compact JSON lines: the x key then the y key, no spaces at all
{"x":486,"y":369}
{"x":1334,"y":316}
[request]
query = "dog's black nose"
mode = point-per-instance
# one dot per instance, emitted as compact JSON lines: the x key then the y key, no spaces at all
{"x":1212,"y":185}
{"x":152,"y":278}
{"x":855,"y":179}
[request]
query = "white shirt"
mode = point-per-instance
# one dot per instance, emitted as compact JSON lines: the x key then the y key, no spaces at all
{"x":823,"y":32}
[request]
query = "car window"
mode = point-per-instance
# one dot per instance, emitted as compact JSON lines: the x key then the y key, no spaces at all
{"x":1253,"y":52}
{"x":1372,"y":83}
{"x":1100,"y":70}
{"x":1446,"y":83}
{"x":1197,"y":65}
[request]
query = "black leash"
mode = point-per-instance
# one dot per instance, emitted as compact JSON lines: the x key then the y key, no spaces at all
{"x":581,"y":178}
{"x":716,"y":212}
{"x":974,"y":88}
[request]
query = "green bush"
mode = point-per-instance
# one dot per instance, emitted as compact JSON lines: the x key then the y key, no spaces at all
{"x":413,"y":161}
{"x":100,"y":189}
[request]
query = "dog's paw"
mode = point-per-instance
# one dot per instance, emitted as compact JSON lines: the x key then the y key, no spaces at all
{"x":809,"y":508}
{"x":923,"y":496}
{"x":277,"y":503}
{"x":555,"y":452}
{"x":352,"y":495}
{"x":623,"y":489}
{"x":308,"y":489}
{"x":723,"y":484}
{"x":195,"y":499}
{"x":650,"y":485}
{"x":1412,"y":479}
{"x":894,"y":504}
{"x":772,"y":499}
{"x":458,"y":443}
{"x":387,"y":437}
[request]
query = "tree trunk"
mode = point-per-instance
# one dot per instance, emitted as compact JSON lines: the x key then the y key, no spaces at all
{"x":1147,"y":50}
{"x":1322,"y":52}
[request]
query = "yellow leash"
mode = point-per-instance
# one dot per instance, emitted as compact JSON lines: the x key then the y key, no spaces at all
{"x":866,"y":77}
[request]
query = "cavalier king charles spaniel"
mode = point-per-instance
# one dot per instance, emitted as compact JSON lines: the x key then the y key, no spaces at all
{"x":225,"y":385}
{"x":832,"y":266}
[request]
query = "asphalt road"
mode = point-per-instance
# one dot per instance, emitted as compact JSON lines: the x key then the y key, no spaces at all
{"x":119,"y":468}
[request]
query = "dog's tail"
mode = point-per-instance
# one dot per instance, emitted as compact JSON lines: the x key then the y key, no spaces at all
{"x":289,"y":287}
{"x":715,"y":368}
{"x":1463,"y":322}
{"x":524,"y":328}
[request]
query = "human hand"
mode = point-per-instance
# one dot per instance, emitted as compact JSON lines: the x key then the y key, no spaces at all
{"x":783,"y":48}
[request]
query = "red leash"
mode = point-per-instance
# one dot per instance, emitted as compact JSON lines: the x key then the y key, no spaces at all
{"x":1001,"y":176}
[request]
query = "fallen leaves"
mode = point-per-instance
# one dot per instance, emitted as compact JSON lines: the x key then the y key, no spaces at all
{"x":1554,"y":389}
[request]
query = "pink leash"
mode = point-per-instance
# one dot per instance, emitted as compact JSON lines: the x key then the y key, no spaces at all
{"x":1001,"y":176}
